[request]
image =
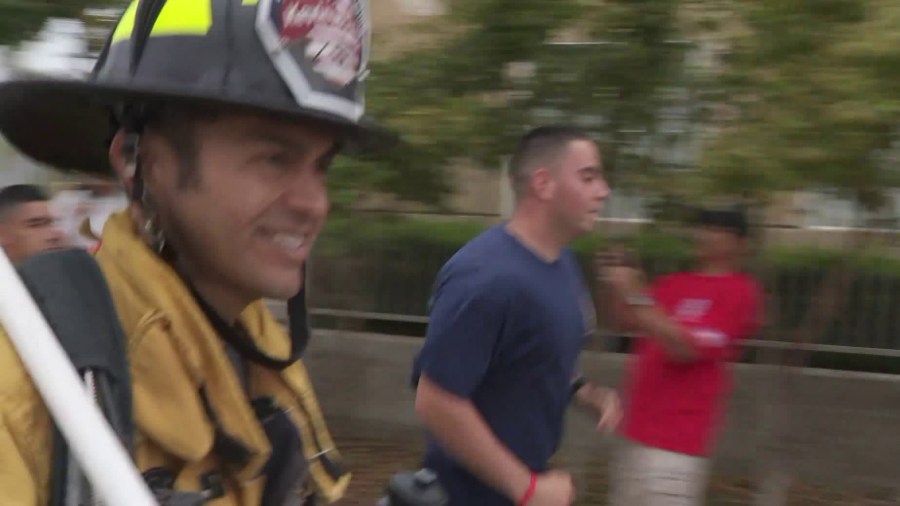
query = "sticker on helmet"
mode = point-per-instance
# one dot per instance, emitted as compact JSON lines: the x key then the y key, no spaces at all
{"x":320,"y":49}
{"x":329,"y":33}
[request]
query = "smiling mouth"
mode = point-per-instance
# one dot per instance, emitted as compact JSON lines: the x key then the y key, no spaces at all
{"x":289,"y":242}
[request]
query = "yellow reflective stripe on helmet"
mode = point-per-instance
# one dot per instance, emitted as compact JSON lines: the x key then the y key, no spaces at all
{"x":184,"y":17}
{"x":178,"y":17}
{"x":126,"y":24}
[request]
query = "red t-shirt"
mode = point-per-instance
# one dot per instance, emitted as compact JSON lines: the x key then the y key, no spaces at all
{"x":677,"y":405}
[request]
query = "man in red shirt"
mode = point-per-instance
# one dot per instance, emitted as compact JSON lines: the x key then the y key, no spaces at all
{"x":691,"y":325}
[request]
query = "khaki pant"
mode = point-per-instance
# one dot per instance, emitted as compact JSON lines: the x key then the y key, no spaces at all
{"x":645,"y":476}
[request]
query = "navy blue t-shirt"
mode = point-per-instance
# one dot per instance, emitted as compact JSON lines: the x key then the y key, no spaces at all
{"x":505,"y":331}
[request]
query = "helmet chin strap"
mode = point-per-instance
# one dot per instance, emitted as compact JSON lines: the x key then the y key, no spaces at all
{"x":150,"y":229}
{"x":298,"y":318}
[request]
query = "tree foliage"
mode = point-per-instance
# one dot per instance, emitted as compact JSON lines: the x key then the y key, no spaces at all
{"x":816,"y":87}
{"x":457,"y":96}
{"x":797,"y":93}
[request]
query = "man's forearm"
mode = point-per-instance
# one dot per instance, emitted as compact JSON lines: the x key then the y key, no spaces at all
{"x":628,"y":284}
{"x":623,"y":319}
{"x":462,"y":431}
{"x":668,"y":333}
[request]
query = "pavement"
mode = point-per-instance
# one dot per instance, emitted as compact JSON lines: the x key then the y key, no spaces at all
{"x":375,"y":453}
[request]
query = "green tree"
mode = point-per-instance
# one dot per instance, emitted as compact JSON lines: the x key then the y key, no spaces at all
{"x":805,"y":97}
{"x":445,"y":98}
{"x":454,"y":97}
{"x":815,"y":84}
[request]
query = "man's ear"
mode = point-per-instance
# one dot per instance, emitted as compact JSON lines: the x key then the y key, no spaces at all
{"x":542,"y":183}
{"x":123,"y":159}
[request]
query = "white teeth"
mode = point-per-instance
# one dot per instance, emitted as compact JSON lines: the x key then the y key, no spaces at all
{"x":289,"y":241}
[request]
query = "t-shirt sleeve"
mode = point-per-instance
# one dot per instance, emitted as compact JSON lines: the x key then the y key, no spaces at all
{"x":719,"y":339}
{"x":468,"y":312}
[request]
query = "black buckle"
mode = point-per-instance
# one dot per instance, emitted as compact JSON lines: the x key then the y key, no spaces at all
{"x":161,"y":482}
{"x":159,"y":479}
{"x":213,"y":485}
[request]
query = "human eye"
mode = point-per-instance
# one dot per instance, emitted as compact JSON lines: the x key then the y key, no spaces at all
{"x":279,"y":159}
{"x":276,"y":159}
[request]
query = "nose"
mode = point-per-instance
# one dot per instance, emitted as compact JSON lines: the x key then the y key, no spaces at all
{"x":55,"y":236}
{"x":307,"y":191}
{"x":603,"y":190}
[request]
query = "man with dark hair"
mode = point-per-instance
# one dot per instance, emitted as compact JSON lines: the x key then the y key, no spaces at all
{"x":691,"y":324}
{"x":538,"y":147}
{"x":510,"y":313}
{"x":221,"y":119}
{"x":27,"y":226}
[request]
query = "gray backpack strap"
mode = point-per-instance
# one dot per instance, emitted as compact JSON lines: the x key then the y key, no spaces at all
{"x":69,"y":288}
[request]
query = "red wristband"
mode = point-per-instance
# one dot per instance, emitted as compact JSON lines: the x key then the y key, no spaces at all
{"x":530,"y":492}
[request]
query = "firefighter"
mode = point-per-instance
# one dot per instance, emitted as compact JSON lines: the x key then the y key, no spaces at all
{"x":220,"y":119}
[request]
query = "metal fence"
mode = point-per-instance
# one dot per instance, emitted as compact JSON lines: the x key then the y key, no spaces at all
{"x":393,"y":284}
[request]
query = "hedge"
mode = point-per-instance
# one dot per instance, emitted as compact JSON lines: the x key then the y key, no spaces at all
{"x":389,"y":265}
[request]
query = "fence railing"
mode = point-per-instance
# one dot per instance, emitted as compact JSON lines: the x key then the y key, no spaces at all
{"x":394,"y":285}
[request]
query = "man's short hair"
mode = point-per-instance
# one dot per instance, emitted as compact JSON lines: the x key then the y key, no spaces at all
{"x":15,"y":195}
{"x":176,"y":124}
{"x":540,"y":146}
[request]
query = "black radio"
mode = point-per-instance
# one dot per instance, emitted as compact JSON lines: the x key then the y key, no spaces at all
{"x":418,"y":488}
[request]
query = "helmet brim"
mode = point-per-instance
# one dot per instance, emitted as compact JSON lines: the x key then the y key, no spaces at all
{"x":66,"y":124}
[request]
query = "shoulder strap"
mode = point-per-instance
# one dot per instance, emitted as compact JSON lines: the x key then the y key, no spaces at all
{"x":69,"y":288}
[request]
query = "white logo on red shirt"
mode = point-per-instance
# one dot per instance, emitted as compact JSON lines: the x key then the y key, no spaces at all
{"x":710,"y":337}
{"x":692,"y":309}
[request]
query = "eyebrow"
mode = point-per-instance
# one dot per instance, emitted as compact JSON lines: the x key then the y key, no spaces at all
{"x":289,"y":143}
{"x":38,"y":220}
{"x":277,"y":139}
